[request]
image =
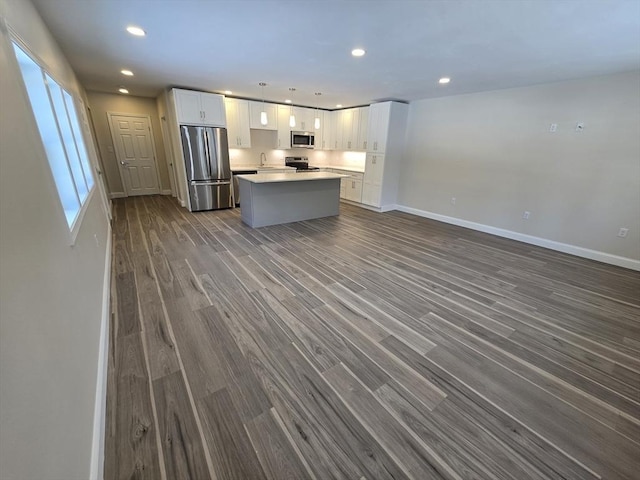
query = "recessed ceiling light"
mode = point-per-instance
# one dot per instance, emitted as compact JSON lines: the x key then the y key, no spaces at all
{"x":444,"y":80}
{"x":137,"y":31}
{"x":128,"y":73}
{"x":357,"y":52}
{"x":123,"y":90}
{"x":228,"y":92}
{"x":339,"y":105}
{"x":287,"y":101}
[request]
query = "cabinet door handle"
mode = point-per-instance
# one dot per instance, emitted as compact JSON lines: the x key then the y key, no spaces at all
{"x":349,"y":143}
{"x":364,"y":145}
{"x":373,"y":160}
{"x":204,"y":115}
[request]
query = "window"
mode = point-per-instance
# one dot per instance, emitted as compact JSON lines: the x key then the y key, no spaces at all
{"x":61,"y":136}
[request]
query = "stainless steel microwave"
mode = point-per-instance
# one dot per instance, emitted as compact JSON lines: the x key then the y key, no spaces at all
{"x":302,"y":139}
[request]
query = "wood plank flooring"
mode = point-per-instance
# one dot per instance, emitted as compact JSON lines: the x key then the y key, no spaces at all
{"x":363,"y":346}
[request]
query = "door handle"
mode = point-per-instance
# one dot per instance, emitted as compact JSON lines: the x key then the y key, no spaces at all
{"x":124,"y":163}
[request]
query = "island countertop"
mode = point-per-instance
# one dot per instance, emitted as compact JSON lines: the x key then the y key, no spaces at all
{"x":289,"y":177}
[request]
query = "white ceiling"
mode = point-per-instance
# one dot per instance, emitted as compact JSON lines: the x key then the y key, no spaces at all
{"x":232,"y":45}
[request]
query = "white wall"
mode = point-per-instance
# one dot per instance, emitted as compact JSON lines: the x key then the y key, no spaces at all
{"x":494,"y":153}
{"x":51,"y":294}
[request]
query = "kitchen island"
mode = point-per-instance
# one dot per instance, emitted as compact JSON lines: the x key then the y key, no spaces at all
{"x":274,"y":198}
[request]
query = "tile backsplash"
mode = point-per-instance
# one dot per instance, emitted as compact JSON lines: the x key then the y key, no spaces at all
{"x":264,"y":140}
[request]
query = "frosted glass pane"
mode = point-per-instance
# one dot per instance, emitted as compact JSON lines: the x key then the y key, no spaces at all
{"x":67,"y":138}
{"x":45,"y":119}
{"x":77,"y":134}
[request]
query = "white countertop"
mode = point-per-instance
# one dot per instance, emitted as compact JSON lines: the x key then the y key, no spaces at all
{"x":289,"y":177}
{"x":347,"y":169}
{"x":256,"y":166}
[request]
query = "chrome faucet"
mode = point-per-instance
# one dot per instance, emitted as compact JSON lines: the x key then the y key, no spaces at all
{"x":263,"y":159}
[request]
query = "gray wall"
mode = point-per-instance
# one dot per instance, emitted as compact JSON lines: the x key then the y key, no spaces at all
{"x":50,"y":293}
{"x":493,"y":151}
{"x":100,"y":104}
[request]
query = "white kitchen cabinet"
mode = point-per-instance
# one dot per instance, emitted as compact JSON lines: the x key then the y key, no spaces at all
{"x":349,"y":132}
{"x":284,"y":130}
{"x":256,"y":108}
{"x":238,"y":131}
{"x":353,"y":190}
{"x":349,"y":128}
{"x":379,"y":116}
{"x":199,"y":108}
{"x":304,"y":119}
{"x":385,"y":148}
{"x":372,"y":181}
{"x":324,"y":134}
{"x":363,"y":129}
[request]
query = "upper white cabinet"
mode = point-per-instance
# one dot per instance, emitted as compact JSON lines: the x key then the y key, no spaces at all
{"x":256,"y":108}
{"x":199,"y":108}
{"x":238,"y":131}
{"x":379,"y":117}
{"x":350,"y":124}
{"x":284,"y":130}
{"x":363,"y":129}
{"x":351,"y":128}
{"x":304,"y":119}
{"x":324,"y":135}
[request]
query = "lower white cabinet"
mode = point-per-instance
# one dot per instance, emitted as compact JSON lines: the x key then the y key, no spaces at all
{"x":353,"y":191}
{"x":372,"y":181}
{"x":351,"y":186}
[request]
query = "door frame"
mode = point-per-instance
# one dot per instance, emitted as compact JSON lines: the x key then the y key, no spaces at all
{"x":110,"y":116}
{"x":171,"y":164}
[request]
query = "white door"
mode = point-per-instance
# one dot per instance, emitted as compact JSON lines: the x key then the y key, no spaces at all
{"x":133,"y":143}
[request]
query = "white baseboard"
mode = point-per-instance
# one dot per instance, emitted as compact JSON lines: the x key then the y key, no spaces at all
{"x":166,"y":192}
{"x":388,"y":208}
{"x":100,"y":409}
{"x":522,"y":237}
{"x":113,"y":195}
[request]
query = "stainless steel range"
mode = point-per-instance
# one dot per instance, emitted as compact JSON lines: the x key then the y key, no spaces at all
{"x":301,"y":163}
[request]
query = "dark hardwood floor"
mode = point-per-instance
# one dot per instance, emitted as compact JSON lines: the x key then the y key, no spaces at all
{"x":364,"y":346}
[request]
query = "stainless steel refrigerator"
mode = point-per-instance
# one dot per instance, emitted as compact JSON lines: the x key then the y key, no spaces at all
{"x":206,"y":156}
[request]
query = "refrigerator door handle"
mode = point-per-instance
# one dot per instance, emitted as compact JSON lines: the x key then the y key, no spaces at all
{"x":207,"y":149}
{"x":210,"y":184}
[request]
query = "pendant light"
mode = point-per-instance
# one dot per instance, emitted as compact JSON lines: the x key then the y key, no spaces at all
{"x":316,"y":122}
{"x":292,"y":117}
{"x":263,"y":114}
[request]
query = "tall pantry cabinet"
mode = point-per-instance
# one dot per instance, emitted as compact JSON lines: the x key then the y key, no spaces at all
{"x":385,"y":148}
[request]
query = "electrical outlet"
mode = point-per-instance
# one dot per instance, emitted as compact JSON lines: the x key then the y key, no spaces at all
{"x":579,"y":126}
{"x":553,"y":127}
{"x":453,"y":200}
{"x":525,"y":215}
{"x":623,"y":232}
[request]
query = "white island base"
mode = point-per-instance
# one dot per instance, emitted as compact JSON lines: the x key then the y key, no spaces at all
{"x":275,"y":198}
